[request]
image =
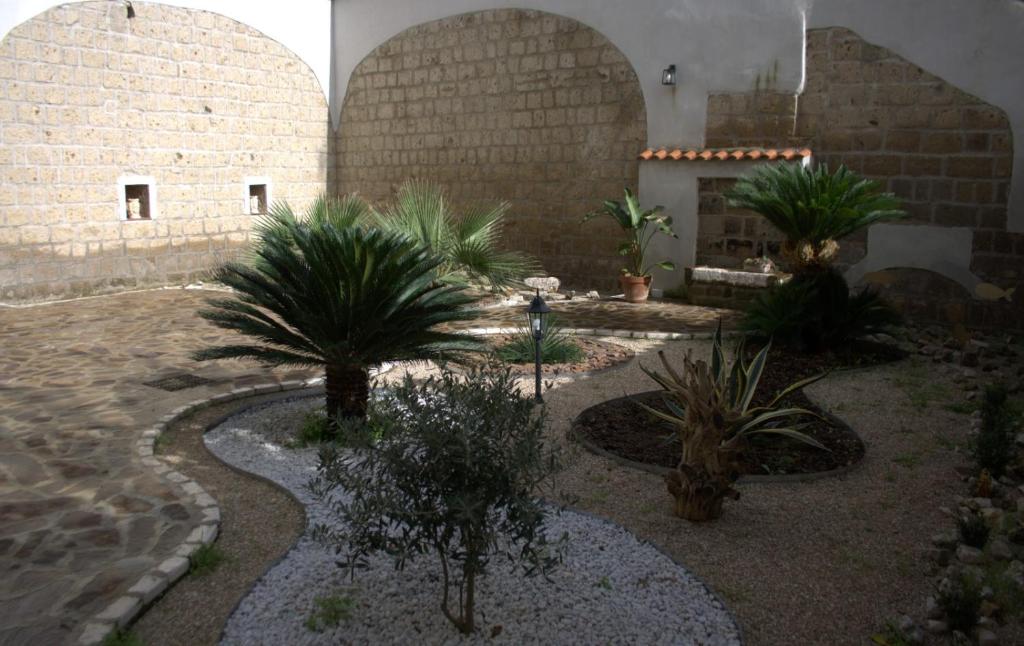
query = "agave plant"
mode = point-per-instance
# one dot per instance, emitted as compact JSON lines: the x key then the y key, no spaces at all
{"x":343,"y":299}
{"x":813,"y":208}
{"x":640,"y":227}
{"x":467,"y":244}
{"x":711,"y":409}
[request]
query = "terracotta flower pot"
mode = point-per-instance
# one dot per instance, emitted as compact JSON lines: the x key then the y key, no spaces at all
{"x":635,"y":288}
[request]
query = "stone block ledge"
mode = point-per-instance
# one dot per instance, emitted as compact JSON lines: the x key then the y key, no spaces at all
{"x":733,"y":277}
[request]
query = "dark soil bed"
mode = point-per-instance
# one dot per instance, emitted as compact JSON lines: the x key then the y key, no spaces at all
{"x":598,"y":355}
{"x":622,"y":428}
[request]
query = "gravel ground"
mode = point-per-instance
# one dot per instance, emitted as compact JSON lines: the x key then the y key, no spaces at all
{"x":611,"y":587}
{"x":260,"y":523}
{"x":824,"y":562}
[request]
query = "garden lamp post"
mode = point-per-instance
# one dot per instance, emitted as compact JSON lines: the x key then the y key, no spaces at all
{"x":537,"y":314}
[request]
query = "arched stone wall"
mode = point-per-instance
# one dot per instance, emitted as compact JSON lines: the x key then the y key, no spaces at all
{"x":192,"y":99}
{"x":946,"y":153}
{"x":514,"y":105}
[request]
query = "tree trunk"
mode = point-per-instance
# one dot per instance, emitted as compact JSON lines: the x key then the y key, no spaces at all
{"x":469,"y":572}
{"x":348,"y":391}
{"x":698,"y":495}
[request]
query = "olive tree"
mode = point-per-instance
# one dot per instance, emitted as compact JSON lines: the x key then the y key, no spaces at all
{"x":453,"y":469}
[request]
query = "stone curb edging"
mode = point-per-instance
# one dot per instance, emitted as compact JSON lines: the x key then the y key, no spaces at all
{"x":578,"y":437}
{"x":154,"y":583}
{"x":551,"y":505}
{"x":623,"y":334}
{"x":158,"y":580}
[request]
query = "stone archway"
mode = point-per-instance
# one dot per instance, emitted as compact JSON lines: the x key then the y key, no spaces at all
{"x":516,"y":105}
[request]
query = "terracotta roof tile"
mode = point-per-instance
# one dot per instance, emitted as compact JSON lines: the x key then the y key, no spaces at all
{"x":725,"y":154}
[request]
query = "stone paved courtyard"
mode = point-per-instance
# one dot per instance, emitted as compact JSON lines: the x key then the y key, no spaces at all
{"x":80,"y":517}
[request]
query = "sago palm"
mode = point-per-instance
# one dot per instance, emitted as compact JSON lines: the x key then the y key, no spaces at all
{"x":813,"y":208}
{"x":467,"y":244}
{"x":339,"y":212}
{"x":341,"y":299}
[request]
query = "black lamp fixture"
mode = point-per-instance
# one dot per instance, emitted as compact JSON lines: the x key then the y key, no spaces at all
{"x":537,"y":315}
{"x":668,"y":75}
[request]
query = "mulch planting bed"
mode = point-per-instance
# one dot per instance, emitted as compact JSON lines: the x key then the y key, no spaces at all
{"x":598,"y":356}
{"x":621,"y":427}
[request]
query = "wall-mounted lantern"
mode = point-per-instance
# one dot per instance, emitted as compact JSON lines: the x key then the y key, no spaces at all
{"x":668,"y":75}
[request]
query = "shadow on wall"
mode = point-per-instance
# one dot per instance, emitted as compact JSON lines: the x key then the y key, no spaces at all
{"x":47,"y":275}
{"x":927,"y":296}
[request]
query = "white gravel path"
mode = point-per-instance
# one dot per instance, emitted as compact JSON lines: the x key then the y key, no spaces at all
{"x":611,"y":588}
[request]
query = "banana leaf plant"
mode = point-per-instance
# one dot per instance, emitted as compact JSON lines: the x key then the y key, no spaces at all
{"x":640,"y":227}
{"x":710,"y":408}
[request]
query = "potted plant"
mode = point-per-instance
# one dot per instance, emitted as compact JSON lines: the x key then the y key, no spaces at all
{"x":640,"y":227}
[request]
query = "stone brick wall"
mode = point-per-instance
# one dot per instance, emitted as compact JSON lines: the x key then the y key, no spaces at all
{"x":764,"y":117}
{"x":514,"y":105}
{"x":726,"y":235}
{"x":945,"y":153}
{"x":193,"y":99}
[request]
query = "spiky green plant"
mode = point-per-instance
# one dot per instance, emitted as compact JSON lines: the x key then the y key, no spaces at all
{"x":813,"y":208}
{"x":340,"y":299}
{"x":640,"y":228}
{"x":340,"y":212}
{"x":815,"y":312}
{"x":993,"y":448}
{"x":710,"y":407}
{"x":556,"y":346}
{"x":467,"y":244}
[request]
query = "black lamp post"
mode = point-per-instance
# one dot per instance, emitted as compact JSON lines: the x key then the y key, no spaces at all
{"x":538,"y":314}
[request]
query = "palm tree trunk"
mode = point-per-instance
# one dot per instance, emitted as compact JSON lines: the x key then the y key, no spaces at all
{"x":699,"y":495}
{"x":348,"y":391}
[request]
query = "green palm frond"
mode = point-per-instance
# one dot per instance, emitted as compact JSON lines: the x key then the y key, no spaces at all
{"x":815,"y":311}
{"x":468,"y":244}
{"x":319,"y":294}
{"x":811,"y":204}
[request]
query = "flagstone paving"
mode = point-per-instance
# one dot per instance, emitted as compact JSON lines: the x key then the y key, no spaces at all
{"x":80,"y":517}
{"x":609,"y":314}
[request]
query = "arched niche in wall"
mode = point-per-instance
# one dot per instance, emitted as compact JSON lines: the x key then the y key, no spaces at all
{"x":509,"y":105}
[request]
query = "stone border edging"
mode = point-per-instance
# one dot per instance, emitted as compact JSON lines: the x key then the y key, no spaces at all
{"x":623,"y":334}
{"x":654,"y":469}
{"x":158,"y":580}
{"x":556,"y":507}
{"x":152,"y":584}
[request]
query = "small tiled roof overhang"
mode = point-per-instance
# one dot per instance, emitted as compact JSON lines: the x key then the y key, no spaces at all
{"x":726,"y":154}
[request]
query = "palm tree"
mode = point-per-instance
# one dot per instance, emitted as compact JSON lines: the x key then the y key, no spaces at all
{"x":341,"y":298}
{"x":339,"y":212}
{"x":467,"y":244}
{"x":813,"y":208}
